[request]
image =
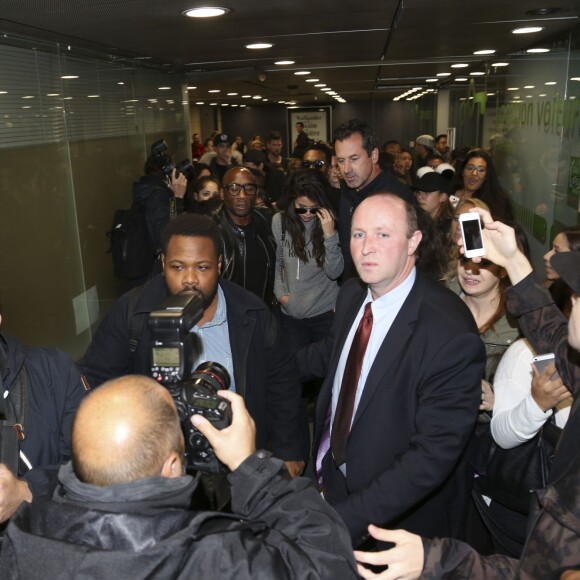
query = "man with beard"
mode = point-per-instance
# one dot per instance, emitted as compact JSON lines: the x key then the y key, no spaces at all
{"x":236,"y":330}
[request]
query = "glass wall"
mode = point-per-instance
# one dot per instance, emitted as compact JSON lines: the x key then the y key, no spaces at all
{"x":527,"y":112}
{"x":74,"y":133}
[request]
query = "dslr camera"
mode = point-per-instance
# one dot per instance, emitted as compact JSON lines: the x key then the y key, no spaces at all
{"x":165,"y":163}
{"x":193,"y":392}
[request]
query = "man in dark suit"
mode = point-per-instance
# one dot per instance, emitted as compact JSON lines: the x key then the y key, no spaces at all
{"x":236,"y":330}
{"x":402,"y":460}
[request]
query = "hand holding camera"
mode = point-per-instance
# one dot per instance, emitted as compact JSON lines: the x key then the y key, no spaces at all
{"x":234,"y":444}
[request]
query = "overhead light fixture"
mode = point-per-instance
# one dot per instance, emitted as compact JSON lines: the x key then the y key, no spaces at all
{"x":527,"y":30}
{"x":49,"y":94}
{"x":164,"y":88}
{"x":319,"y":85}
{"x":459,"y":65}
{"x":312,"y":80}
{"x":232,"y":94}
{"x":500,"y":64}
{"x":264,"y":99}
{"x":513,"y":89}
{"x":575,"y":78}
{"x":28,"y":97}
{"x":259,"y":45}
{"x":537,"y":50}
{"x":332,"y":93}
{"x":191,"y":88}
{"x":444,"y":74}
{"x":242,"y":106}
{"x":302,"y":72}
{"x":529,"y":86}
{"x":460,"y":79}
{"x":485,"y":51}
{"x":69,"y":77}
{"x":284,"y":62}
{"x":256,"y":97}
{"x":199,"y":103}
{"x":205,"y":12}
{"x":550,"y":83}
{"x":214,"y":91}
{"x":213,"y":104}
{"x":120,"y":83}
{"x":234,"y":105}
{"x":431,"y":80}
{"x":476,"y":73}
{"x":246,"y":96}
{"x":325,"y":90}
{"x":93,"y":96}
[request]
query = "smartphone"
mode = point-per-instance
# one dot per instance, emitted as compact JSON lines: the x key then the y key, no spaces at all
{"x":542,"y":361}
{"x":472,"y":235}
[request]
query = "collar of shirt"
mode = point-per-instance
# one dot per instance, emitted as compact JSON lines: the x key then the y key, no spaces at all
{"x":220,"y":316}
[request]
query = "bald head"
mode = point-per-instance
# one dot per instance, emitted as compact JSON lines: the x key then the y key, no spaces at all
{"x":124,"y":431}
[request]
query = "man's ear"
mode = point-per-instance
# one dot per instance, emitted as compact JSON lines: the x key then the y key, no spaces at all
{"x":414,"y":242}
{"x":163,"y":262}
{"x":222,"y":193}
{"x":173,"y":466}
{"x":375,"y":155}
{"x":219,"y":268}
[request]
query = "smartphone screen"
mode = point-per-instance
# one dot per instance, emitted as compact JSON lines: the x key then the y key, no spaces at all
{"x":472,"y":236}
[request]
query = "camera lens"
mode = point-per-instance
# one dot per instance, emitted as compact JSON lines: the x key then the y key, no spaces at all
{"x":209,"y":377}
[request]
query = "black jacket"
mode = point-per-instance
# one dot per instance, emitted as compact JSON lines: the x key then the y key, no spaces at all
{"x":264,"y":371}
{"x":55,"y":391}
{"x":281,"y":528}
{"x":385,"y":182}
{"x":234,"y":250}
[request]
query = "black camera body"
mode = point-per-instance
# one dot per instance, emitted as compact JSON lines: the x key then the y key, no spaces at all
{"x":193,"y":393}
{"x":165,"y":163}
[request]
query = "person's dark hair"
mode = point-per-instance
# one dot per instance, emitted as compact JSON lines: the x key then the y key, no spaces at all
{"x":314,"y":186}
{"x":199,"y":167}
{"x":320,"y":147}
{"x":192,"y":225}
{"x":386,"y":161}
{"x":348,"y":129}
{"x":491,"y":191}
{"x":431,"y":156}
{"x":203,"y":181}
{"x":300,"y":123}
{"x":205,"y":143}
{"x":390,"y":142}
{"x":439,"y":137}
{"x":152,"y":166}
{"x":572,"y":234}
{"x":273,"y":136}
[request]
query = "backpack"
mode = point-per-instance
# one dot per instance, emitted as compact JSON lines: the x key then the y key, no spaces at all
{"x":131,"y":247}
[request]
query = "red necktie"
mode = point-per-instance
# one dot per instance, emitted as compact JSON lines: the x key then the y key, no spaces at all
{"x":352,"y":370}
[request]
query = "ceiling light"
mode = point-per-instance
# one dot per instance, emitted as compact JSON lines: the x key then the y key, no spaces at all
{"x":326,"y":89}
{"x":476,"y":73}
{"x":513,"y":89}
{"x":528,"y":96}
{"x":234,"y":105}
{"x":575,"y":79}
{"x":199,"y":103}
{"x":537,"y":50}
{"x":459,"y":65}
{"x":281,"y":102}
{"x":93,"y":96}
{"x":485,"y":51}
{"x":164,"y":88}
{"x":500,"y":64}
{"x":542,"y":95}
{"x":264,"y":99}
{"x":302,"y":72}
{"x":490,"y":94}
{"x":527,"y":30}
{"x":52,"y":94}
{"x":242,"y":106}
{"x":68,"y":77}
{"x":232,"y":94}
{"x":460,"y":79}
{"x":259,"y":45}
{"x":332,"y":93}
{"x":320,"y":85}
{"x":431,"y":80}
{"x":551,"y":83}
{"x":529,"y":87}
{"x":191,"y":88}
{"x":28,"y":97}
{"x":284,"y":62}
{"x":256,"y":97}
{"x":205,"y":12}
{"x":246,"y":96}
{"x":214,"y":91}
{"x":213,"y":104}
{"x":225,"y":105}
{"x":312,"y":80}
{"x":445,"y":74}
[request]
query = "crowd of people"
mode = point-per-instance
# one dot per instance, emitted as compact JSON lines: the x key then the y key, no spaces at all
{"x":341,"y":267}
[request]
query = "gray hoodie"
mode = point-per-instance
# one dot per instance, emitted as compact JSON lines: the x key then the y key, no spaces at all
{"x":311,"y":290}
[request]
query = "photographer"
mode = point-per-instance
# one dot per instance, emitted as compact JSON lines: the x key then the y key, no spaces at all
{"x":121,"y":506}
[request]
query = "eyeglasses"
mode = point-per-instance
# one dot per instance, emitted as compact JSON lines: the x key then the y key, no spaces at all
{"x":235,"y":188}
{"x":303,"y":210}
{"x":319,"y":164}
{"x":478,"y":168}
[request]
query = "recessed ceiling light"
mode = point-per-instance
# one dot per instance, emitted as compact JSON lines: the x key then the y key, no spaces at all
{"x":213,"y":104}
{"x":575,"y":78}
{"x":67,"y":98}
{"x":164,"y":88}
{"x":445,"y":74}
{"x":320,"y":85}
{"x":205,"y":12}
{"x":284,"y":62}
{"x":199,"y":103}
{"x":93,"y":96}
{"x":513,"y":89}
{"x":550,"y":83}
{"x":528,"y":96}
{"x":485,"y":51}
{"x":537,"y":50}
{"x":459,"y":65}
{"x":214,"y":91}
{"x":242,"y":106}
{"x":332,"y":93}
{"x":527,"y":30}
{"x":281,"y":102}
{"x":529,"y":87}
{"x":256,"y":97}
{"x":302,"y":72}
{"x":234,"y":105}
{"x":460,"y":79}
{"x":191,"y":88}
{"x":52,"y":94}
{"x":68,"y":77}
{"x":264,"y":99}
{"x":225,"y":105}
{"x":312,"y":80}
{"x":120,"y":83}
{"x":542,"y":95}
{"x":259,"y":45}
{"x":232,"y":94}
{"x":326,"y":89}
{"x":500,"y":64}
{"x":490,"y":94}
{"x":246,"y":96}
{"x":28,"y":97}
{"x":476,"y":73}
{"x":431,"y":80}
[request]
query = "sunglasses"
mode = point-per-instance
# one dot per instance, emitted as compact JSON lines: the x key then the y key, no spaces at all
{"x":303,"y":210}
{"x":318,"y":164}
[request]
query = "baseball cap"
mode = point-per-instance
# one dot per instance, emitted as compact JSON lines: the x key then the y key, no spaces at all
{"x":432,"y":181}
{"x":222,"y":139}
{"x":254,"y":156}
{"x":426,"y":141}
{"x":567,"y":265}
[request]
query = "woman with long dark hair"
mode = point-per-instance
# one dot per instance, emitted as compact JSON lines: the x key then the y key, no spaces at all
{"x":309,"y":259}
{"x":478,"y":178}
